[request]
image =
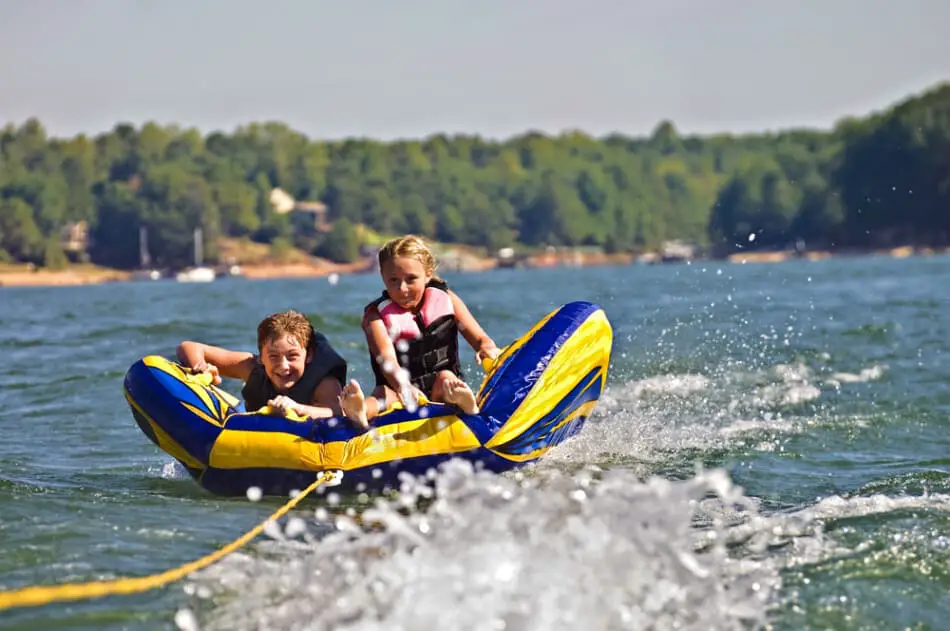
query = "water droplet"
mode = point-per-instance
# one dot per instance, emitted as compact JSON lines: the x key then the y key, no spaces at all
{"x":295,"y":527}
{"x":272,"y":529}
{"x":186,"y":620}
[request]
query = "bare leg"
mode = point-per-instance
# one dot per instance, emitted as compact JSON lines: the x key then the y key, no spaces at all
{"x":356,"y":406}
{"x":449,"y":388}
{"x":383,"y":398}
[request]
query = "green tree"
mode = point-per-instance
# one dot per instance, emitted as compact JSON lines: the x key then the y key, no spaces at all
{"x":115,"y":233}
{"x":341,"y":244}
{"x":53,"y":255}
{"x":21,"y":238}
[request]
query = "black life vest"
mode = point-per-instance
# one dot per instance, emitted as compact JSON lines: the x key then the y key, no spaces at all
{"x":430,"y":335}
{"x":258,"y":389}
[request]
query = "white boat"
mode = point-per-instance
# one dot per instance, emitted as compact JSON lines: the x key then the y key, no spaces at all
{"x":195,"y":275}
{"x":199,"y":273}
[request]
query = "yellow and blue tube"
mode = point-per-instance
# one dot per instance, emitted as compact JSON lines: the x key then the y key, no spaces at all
{"x":537,"y":393}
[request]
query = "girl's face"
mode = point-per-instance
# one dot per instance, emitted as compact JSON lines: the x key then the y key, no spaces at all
{"x":405,"y":278}
{"x":284,"y":361}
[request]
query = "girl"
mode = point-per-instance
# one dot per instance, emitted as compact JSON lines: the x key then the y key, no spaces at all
{"x":414,"y":326}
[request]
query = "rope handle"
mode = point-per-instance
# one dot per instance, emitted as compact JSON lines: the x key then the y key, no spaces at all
{"x":205,"y":379}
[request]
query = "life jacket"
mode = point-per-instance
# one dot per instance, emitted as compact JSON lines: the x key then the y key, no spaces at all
{"x":325,"y":362}
{"x":430,"y":336}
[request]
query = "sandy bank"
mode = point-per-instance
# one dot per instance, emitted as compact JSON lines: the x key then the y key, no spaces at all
{"x":25,"y":276}
{"x":302,"y":270}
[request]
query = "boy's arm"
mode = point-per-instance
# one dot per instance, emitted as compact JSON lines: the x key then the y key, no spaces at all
{"x":326,"y":399}
{"x":234,"y":364}
{"x":325,"y":403}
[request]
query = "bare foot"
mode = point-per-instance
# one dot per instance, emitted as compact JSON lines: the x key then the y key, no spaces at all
{"x":459,"y":394}
{"x":353,"y":404}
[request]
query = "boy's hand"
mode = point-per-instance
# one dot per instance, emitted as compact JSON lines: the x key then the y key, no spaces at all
{"x":203,"y":366}
{"x":285,"y":404}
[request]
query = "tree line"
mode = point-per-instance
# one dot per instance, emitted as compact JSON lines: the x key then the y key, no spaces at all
{"x":876,"y":181}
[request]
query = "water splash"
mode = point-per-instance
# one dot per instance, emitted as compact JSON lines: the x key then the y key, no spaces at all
{"x":478,"y":551}
{"x":643,"y":421}
{"x":174,"y":470}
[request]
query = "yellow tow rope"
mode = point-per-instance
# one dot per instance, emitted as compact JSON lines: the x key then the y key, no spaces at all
{"x":45,"y":594}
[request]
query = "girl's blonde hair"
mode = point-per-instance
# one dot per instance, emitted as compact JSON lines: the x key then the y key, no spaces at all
{"x":409,"y":246}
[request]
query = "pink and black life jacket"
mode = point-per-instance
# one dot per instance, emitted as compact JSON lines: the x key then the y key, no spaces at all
{"x":430,"y":336}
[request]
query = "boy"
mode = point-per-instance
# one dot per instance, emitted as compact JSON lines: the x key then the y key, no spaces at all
{"x":296,"y":368}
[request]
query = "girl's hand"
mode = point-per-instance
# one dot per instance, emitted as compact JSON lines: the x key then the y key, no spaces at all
{"x":410,"y":397}
{"x":487,"y":353}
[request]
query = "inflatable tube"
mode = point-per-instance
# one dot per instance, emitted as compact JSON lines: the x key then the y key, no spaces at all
{"x":535,"y":395}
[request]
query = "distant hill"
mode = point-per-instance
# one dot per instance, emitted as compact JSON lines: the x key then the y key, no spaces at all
{"x":878,"y":181}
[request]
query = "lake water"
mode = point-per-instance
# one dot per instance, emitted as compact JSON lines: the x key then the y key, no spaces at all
{"x":771,"y":451}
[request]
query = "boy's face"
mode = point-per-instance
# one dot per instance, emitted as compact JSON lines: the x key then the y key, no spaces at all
{"x":405,"y":279}
{"x":284,"y":361}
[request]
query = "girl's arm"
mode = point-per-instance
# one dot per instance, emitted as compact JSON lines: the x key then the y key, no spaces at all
{"x":234,"y":364}
{"x":471,"y":330}
{"x":381,"y":347}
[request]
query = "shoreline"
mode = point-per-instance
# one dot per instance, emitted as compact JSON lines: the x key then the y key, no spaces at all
{"x":74,"y":275}
{"x":24,"y":275}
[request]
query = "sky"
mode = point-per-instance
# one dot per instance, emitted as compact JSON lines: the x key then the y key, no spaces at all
{"x":410,"y":68}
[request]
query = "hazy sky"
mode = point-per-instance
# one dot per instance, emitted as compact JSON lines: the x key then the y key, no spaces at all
{"x":408,"y":68}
